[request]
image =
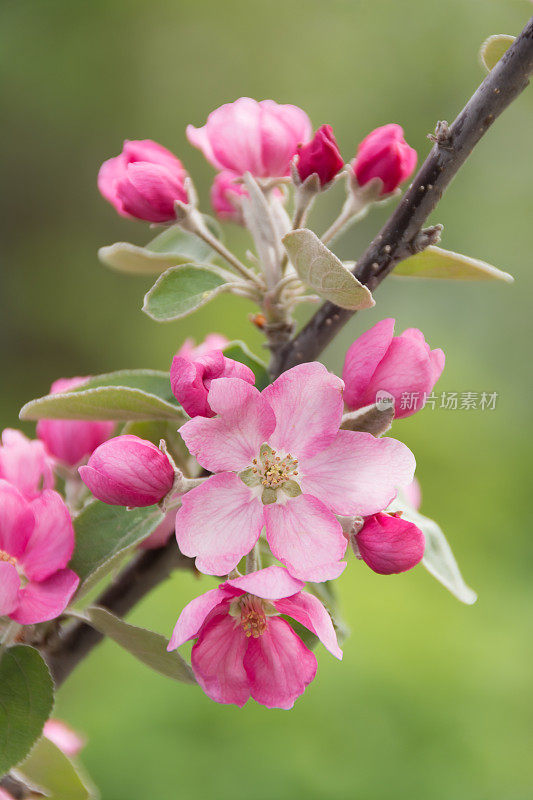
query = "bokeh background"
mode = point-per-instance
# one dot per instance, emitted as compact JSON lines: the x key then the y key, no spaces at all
{"x":433,"y":698}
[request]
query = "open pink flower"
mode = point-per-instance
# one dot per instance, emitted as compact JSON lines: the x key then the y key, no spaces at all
{"x":143,"y":181}
{"x":403,"y":366}
{"x":71,"y":440}
{"x":25,"y":463}
{"x":389,"y":544}
{"x":63,"y":736}
{"x":250,"y":136}
{"x":244,"y":648}
{"x":191,"y":377}
{"x":36,"y":544}
{"x":283,"y":463}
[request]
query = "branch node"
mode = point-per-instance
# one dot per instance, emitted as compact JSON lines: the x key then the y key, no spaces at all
{"x":442,"y":136}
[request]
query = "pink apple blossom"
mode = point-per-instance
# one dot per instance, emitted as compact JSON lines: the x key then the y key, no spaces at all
{"x":36,"y":544}
{"x":384,"y":154}
{"x":413,"y":494}
{"x":71,"y":440}
{"x":25,"y":463}
{"x":389,"y":544}
{"x":226,"y":196}
{"x":63,"y":736}
{"x":244,"y":648}
{"x":128,"y":471}
{"x":321,"y":156}
{"x":190,"y":379}
{"x":143,"y":181}
{"x":250,"y":136}
{"x":282,"y":462}
{"x":403,"y":366}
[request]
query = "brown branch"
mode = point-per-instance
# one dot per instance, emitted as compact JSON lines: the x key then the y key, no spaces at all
{"x":398,"y":237}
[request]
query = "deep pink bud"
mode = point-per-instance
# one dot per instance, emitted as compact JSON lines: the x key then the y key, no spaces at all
{"x":190,"y":379}
{"x":225,"y":197}
{"x":389,"y":544}
{"x":71,"y":440}
{"x":143,"y":181}
{"x":128,"y":471}
{"x":321,"y":156}
{"x":380,"y":366}
{"x":384,"y":154}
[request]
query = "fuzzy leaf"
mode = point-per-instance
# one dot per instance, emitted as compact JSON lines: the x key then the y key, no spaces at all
{"x":26,"y":701}
{"x":147,"y":646}
{"x":181,"y":290}
{"x":140,"y":394}
{"x":105,"y":533}
{"x":321,"y":270}
{"x":239,"y":351}
{"x":169,"y":249}
{"x":434,"y":262}
{"x":494,"y":48}
{"x":53,"y":772}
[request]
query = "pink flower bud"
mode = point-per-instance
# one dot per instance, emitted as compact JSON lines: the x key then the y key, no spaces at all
{"x":128,"y":471}
{"x":190,"y":379}
{"x":389,"y":544}
{"x":384,"y":154}
{"x":144,"y":181}
{"x":225,"y":197}
{"x":321,"y":156}
{"x":250,"y":136}
{"x":402,"y":369}
{"x":213,"y":341}
{"x":71,"y":440}
{"x":63,"y":736}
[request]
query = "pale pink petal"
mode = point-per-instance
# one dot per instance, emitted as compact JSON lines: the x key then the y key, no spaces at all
{"x":358,"y":474}
{"x":305,"y":536}
{"x":40,"y":602}
{"x":235,"y":136}
{"x":67,"y":740}
{"x":438,"y":360}
{"x":51,"y":544}
{"x":413,"y":494}
{"x":217,"y":659}
{"x":16,"y":520}
{"x":283,"y":128}
{"x":232,"y":440}
{"x":307,"y":402}
{"x":218,"y":523}
{"x":390,"y":544}
{"x":199,"y":138}
{"x":271,"y":583}
{"x":362,"y":359}
{"x":9,"y":588}
{"x":193,"y":616}
{"x":25,"y":463}
{"x":278,"y":665}
{"x":108,"y":175}
{"x":309,"y":611}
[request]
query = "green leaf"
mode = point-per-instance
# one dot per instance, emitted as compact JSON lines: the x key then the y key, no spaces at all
{"x":104,"y":534}
{"x":438,"y":556}
{"x":239,"y":351}
{"x":181,"y":290}
{"x":141,"y":394}
{"x":147,"y":646}
{"x":437,"y":263}
{"x":169,"y":249}
{"x":494,"y":48}
{"x":26,"y":701}
{"x":49,"y":769}
{"x":321,"y":270}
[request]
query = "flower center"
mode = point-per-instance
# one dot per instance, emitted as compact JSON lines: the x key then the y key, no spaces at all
{"x":272,"y":471}
{"x":6,"y":557}
{"x":253,"y":619}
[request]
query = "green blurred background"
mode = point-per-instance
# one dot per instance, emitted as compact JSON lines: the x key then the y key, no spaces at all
{"x":433,"y":699}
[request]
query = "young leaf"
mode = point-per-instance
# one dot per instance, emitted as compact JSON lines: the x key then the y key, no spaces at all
{"x":438,"y":556}
{"x":181,"y":290}
{"x":104,"y":533}
{"x":321,"y":270}
{"x":239,"y":351}
{"x":141,"y":394}
{"x":26,"y":701}
{"x":49,"y":769}
{"x":169,"y":249}
{"x":434,"y":262}
{"x":147,"y":646}
{"x":494,"y":48}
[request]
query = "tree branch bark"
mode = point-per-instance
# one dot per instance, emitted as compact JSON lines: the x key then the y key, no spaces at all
{"x":397,"y":239}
